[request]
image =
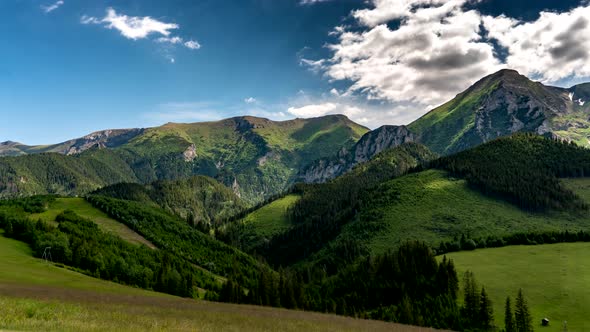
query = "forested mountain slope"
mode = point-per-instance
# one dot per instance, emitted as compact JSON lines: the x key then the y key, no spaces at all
{"x":199,"y":200}
{"x":324,"y":208}
{"x":51,"y":173}
{"x":507,"y":185}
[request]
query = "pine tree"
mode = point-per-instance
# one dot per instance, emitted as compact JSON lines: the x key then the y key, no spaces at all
{"x":522,"y":316}
{"x":486,"y":312}
{"x":508,"y":317}
{"x":471,"y":299}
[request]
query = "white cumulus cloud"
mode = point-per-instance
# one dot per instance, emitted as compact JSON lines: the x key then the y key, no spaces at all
{"x":193,"y":45}
{"x":551,"y":48}
{"x":171,"y":40}
{"x":53,"y":6}
{"x":136,"y":27}
{"x":315,"y":110}
{"x":132,"y":27}
{"x":420,"y":53}
{"x":436,"y":51}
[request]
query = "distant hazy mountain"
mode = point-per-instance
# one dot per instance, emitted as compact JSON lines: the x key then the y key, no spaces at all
{"x":255,"y":157}
{"x":101,"y":139}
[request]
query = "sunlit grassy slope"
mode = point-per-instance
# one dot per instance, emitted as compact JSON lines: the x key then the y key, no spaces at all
{"x":18,"y":267}
{"x":431,"y":206}
{"x":554,"y":278}
{"x":86,"y":210}
{"x":38,"y":296}
{"x":270,"y":220}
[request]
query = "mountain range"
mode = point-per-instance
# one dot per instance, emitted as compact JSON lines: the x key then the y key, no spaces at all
{"x":498,"y":105}
{"x":255,"y":157}
{"x":258,"y":158}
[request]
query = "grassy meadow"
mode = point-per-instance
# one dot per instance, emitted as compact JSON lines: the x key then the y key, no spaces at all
{"x":35,"y":295}
{"x":554,"y":278}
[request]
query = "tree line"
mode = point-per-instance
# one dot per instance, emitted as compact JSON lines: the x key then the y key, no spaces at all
{"x":523,"y":169}
{"x":464,"y":243}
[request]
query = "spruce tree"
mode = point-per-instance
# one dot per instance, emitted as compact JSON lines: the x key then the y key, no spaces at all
{"x":508,"y":317}
{"x":470,"y":310}
{"x":522,"y":316}
{"x":486,"y":312}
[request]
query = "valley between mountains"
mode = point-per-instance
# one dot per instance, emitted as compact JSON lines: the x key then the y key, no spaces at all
{"x":291,"y":225}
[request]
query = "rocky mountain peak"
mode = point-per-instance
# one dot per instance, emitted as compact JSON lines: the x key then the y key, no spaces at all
{"x":366,"y":148}
{"x":497,"y":105}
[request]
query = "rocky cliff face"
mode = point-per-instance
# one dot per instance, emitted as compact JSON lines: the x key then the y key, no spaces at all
{"x":99,"y":139}
{"x":366,"y":148}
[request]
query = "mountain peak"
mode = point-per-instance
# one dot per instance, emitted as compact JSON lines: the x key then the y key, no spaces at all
{"x":509,"y":76}
{"x":497,"y":105}
{"x":507,"y":73}
{"x":9,"y":143}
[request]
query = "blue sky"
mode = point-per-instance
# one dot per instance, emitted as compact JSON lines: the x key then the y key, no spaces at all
{"x":71,"y":67}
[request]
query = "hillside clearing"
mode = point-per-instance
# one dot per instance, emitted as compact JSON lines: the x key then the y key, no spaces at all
{"x":84,"y":209}
{"x":268,"y":221}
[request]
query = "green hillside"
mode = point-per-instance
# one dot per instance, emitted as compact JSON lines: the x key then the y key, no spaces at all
{"x":325,"y":208}
{"x":20,"y":269}
{"x":506,"y":186}
{"x":255,"y":157}
{"x":77,"y":232}
{"x":554,"y":278}
{"x":35,"y":295}
{"x":259,"y":226}
{"x":432,"y":206}
{"x":172,"y":234}
{"x":523,"y":169}
{"x":62,"y":175}
{"x":200,"y":200}
{"x":84,"y":209}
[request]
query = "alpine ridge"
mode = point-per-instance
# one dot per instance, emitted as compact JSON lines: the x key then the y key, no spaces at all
{"x":256,"y":157}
